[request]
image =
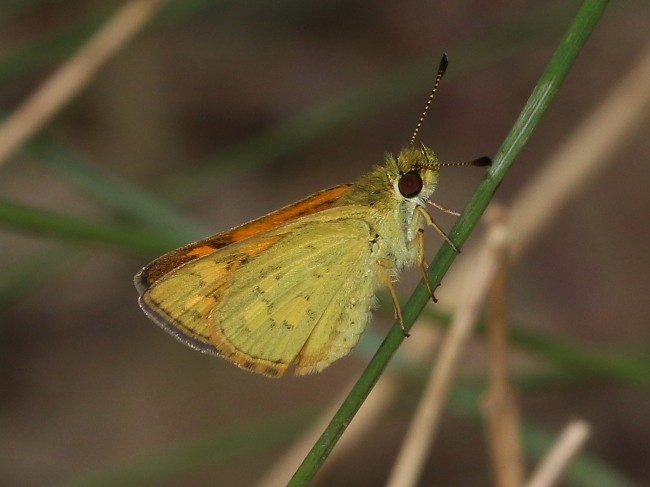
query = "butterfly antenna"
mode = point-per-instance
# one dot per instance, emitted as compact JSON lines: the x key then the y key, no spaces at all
{"x":480,"y":162}
{"x":444,"y":62}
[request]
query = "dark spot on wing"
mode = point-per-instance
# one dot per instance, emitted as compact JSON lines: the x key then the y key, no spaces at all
{"x":271,"y":371}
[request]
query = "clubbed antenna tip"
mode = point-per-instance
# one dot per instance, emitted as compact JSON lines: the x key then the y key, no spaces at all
{"x":482,"y":161}
{"x":442,"y":67}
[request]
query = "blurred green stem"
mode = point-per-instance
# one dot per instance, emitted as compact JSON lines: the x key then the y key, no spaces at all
{"x":33,"y":220}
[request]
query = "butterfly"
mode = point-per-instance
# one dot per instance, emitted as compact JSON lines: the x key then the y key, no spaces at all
{"x":297,"y":286}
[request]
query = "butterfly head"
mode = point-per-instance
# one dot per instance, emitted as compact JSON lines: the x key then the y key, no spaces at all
{"x":408,"y":179}
{"x":413,"y":173}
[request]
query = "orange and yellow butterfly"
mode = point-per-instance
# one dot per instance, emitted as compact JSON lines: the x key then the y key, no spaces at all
{"x":297,"y":286}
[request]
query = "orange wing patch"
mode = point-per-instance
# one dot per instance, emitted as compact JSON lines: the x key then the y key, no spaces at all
{"x":181,"y":302}
{"x":172,"y":260}
{"x":200,"y":251}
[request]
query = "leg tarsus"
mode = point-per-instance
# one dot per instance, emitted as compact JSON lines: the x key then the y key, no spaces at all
{"x":423,"y":267}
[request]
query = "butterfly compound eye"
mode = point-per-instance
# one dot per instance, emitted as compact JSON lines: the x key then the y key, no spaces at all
{"x":410,"y":184}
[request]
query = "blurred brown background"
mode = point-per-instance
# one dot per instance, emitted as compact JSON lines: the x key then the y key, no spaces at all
{"x":89,"y":384}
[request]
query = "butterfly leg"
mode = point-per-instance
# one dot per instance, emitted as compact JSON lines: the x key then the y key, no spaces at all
{"x":443,"y":208}
{"x":384,"y":265}
{"x":429,"y":221}
{"x":423,"y":265}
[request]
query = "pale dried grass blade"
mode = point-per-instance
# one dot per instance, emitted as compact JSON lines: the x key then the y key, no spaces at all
{"x":563,"y":451}
{"x":581,"y":159}
{"x":499,"y":404}
{"x":74,"y":75}
{"x":365,"y":422}
{"x":421,"y":433}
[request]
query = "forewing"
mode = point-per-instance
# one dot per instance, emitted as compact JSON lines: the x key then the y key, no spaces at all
{"x":172,"y":260}
{"x":299,"y":294}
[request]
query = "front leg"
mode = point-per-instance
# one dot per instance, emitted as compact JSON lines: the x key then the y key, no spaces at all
{"x":429,"y":221}
{"x":418,"y":241}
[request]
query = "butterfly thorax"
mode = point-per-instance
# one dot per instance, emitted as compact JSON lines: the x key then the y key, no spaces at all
{"x":391,"y":194}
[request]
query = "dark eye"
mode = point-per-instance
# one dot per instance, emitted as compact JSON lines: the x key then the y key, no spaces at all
{"x":410,"y":184}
